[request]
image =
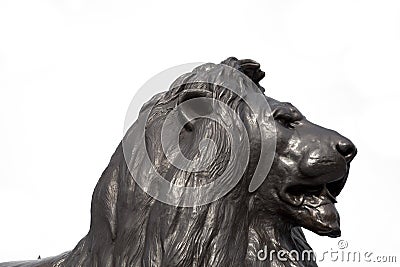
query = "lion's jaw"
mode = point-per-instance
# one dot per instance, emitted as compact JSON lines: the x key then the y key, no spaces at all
{"x":315,"y":206}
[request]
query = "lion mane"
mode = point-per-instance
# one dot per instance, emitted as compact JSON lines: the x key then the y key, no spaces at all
{"x":130,"y":228}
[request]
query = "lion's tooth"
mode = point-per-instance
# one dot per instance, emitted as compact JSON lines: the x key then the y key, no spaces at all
{"x":298,"y":199}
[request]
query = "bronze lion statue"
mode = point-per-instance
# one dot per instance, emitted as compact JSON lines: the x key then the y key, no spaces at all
{"x":133,"y":223}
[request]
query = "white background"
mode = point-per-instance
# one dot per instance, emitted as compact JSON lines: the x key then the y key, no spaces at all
{"x":69,"y":69}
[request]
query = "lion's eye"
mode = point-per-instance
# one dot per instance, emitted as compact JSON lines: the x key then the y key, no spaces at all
{"x":287,"y":116}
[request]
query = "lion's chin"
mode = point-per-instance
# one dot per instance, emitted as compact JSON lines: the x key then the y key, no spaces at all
{"x":315,"y":209}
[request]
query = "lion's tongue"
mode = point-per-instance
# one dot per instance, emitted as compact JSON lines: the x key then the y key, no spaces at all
{"x":324,"y":212}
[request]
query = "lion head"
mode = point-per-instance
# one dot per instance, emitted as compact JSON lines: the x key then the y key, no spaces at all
{"x":307,"y":168}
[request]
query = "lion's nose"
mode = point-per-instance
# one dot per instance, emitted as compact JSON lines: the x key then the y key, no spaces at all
{"x":347,"y":149}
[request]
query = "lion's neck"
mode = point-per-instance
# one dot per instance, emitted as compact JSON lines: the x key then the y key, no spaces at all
{"x":271,"y":242}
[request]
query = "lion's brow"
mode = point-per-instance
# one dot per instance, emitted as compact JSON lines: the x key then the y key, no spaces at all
{"x":289,"y":108}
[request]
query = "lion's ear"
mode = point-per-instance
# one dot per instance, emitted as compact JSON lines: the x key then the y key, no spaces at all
{"x":192,"y":104}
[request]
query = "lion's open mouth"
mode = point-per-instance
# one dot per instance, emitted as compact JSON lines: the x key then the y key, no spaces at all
{"x":317,"y":204}
{"x":297,"y":195}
